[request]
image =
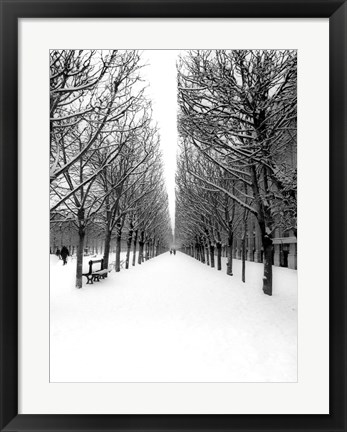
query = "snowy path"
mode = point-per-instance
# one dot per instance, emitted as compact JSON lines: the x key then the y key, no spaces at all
{"x":173,"y":319}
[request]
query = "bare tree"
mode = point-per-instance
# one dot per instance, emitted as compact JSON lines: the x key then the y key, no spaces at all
{"x":238,"y":109}
{"x":94,"y":88}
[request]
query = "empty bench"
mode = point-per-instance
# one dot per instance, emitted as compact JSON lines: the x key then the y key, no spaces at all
{"x":95,"y":275}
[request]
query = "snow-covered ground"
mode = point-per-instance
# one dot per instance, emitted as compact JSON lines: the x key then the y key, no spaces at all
{"x":173,"y":319}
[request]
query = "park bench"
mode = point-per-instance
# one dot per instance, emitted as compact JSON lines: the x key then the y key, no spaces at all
{"x":96,"y":275}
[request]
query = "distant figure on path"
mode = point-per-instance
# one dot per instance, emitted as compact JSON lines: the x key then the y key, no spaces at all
{"x":170,"y":251}
{"x":64,"y":254}
{"x":174,"y":251}
{"x":58,"y":253}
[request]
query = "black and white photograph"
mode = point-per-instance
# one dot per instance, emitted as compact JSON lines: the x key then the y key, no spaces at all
{"x":173,"y":216}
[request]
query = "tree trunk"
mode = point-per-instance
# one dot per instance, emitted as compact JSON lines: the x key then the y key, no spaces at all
{"x":129,"y":240}
{"x":79,"y":268}
{"x":267,"y":279}
{"x":118,"y":250}
{"x":134,"y":247}
{"x":141,"y":245}
{"x":243,"y":243}
{"x":244,"y":253}
{"x":140,"y":258}
{"x":154,"y":248}
{"x":212,"y":255}
{"x":147,"y":249}
{"x":219,"y":256}
{"x":202,"y":251}
{"x":264,"y":221}
{"x":207,"y":255}
{"x":230,"y":253}
{"x":107,"y":248}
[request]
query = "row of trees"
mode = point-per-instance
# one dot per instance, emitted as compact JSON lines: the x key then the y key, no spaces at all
{"x":105,"y":164}
{"x":237,"y":161}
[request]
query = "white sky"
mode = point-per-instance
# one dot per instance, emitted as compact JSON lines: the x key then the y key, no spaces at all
{"x":160,"y":72}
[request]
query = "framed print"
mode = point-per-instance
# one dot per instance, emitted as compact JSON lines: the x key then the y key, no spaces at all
{"x":175,"y":257}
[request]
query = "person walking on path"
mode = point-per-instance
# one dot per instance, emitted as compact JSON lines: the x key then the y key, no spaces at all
{"x":64,"y":253}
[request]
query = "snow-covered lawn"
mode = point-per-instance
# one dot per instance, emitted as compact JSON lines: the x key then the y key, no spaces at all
{"x":173,"y":319}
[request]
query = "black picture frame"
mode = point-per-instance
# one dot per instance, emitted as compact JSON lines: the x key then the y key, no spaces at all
{"x":11,"y":11}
